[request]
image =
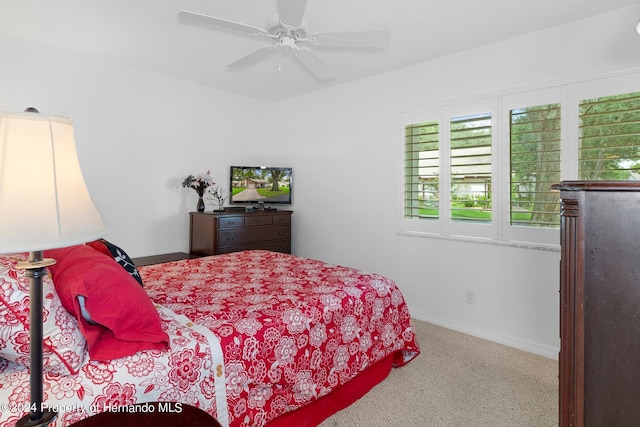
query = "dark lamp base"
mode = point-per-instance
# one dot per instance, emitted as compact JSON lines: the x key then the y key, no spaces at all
{"x":47,"y":418}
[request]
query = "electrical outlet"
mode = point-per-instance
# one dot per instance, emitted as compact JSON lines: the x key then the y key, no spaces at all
{"x":470,"y":296}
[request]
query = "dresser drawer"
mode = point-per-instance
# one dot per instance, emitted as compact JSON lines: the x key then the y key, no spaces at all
{"x":241,"y":236}
{"x":283,"y":246}
{"x":230,"y":222}
{"x":281,"y":219}
{"x":257,"y":220}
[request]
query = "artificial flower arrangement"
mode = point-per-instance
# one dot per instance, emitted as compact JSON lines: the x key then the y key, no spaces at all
{"x":200,"y":182}
{"x":216,"y":194}
{"x":203,"y":183}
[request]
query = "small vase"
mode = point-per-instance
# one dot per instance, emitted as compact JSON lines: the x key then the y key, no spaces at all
{"x":200,"y":206}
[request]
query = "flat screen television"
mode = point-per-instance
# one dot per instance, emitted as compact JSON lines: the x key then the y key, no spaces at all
{"x":260,"y":185}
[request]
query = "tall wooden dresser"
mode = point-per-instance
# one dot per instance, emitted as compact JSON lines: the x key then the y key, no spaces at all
{"x":220,"y":233}
{"x":600,"y":304}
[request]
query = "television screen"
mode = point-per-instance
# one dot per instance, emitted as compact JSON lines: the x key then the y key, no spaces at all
{"x":260,"y":184}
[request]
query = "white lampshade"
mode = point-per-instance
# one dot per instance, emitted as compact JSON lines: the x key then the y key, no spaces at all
{"x":44,"y":202}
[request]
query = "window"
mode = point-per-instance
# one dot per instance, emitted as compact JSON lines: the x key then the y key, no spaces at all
{"x":609,"y":137}
{"x":471,"y":168}
{"x":534,"y":166}
{"x":421,"y":184}
{"x":502,"y":154}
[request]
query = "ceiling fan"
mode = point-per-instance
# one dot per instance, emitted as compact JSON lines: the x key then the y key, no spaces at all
{"x":288,"y":30}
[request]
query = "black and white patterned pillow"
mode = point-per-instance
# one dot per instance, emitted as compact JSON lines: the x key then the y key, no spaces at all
{"x":121,"y":257}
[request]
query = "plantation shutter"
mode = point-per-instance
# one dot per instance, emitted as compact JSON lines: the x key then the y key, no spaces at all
{"x":610,"y":138}
{"x":534,"y":166}
{"x":422,"y":183}
{"x":470,"y":158}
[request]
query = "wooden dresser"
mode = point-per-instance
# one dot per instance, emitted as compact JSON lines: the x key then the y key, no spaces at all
{"x":600,"y":304}
{"x":220,"y":233}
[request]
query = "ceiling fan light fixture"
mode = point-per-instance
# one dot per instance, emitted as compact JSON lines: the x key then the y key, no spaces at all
{"x":287,"y":30}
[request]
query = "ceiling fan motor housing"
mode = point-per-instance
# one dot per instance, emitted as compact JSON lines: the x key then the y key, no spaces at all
{"x":279,"y":30}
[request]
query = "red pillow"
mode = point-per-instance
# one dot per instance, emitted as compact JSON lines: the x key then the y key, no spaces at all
{"x":118,"y":255}
{"x":124,"y":318}
{"x":98,"y":246}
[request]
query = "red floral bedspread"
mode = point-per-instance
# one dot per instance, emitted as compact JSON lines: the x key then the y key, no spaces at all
{"x":272,"y":332}
{"x":291,"y":329}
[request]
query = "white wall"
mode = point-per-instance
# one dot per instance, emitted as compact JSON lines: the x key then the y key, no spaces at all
{"x":349,"y":136}
{"x":140,"y":134}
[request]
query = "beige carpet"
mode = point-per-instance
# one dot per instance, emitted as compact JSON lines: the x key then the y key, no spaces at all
{"x":460,"y":381}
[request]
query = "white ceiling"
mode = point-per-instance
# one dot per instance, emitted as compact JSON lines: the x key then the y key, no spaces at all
{"x":148,"y":34}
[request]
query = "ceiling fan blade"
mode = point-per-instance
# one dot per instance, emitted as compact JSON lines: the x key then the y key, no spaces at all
{"x":193,"y":17}
{"x":309,"y":59}
{"x":367,"y":39}
{"x":253,"y":57}
{"x":291,"y":12}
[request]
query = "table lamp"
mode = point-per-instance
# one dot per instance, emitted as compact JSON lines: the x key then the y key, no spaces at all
{"x":44,"y":204}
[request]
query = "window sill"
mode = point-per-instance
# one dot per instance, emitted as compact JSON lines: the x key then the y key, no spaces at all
{"x":485,"y":241}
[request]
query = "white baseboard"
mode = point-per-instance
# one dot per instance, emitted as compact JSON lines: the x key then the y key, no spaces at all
{"x":524,"y":345}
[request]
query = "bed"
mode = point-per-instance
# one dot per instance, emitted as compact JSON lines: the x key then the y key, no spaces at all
{"x":254,"y":338}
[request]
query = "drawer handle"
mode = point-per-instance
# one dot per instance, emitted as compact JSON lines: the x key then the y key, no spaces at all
{"x":230,"y":239}
{"x":258,"y":221}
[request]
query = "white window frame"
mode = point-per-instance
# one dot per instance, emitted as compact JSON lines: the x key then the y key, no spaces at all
{"x":428,"y":226}
{"x":567,"y":93}
{"x":475,"y":230}
{"x":554,"y":95}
